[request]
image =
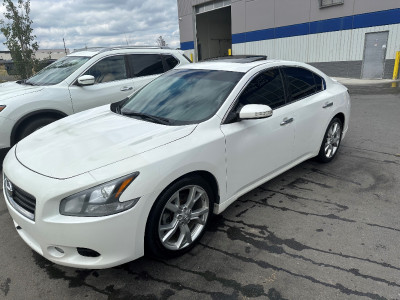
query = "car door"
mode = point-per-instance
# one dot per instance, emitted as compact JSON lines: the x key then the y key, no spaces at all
{"x":145,"y":67}
{"x":112,"y":83}
{"x":312,"y":105}
{"x":259,"y":147}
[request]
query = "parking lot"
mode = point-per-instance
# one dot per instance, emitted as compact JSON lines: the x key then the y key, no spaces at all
{"x":318,"y":231}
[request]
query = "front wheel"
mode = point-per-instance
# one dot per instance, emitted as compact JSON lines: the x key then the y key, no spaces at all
{"x":179,"y":217}
{"x":331,"y":142}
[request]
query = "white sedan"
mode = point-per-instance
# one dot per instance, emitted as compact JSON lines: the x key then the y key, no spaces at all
{"x":102,"y":187}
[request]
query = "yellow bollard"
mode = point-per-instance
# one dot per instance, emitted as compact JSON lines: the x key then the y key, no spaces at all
{"x":229,"y":52}
{"x":396,"y":68}
{"x":191,"y":57}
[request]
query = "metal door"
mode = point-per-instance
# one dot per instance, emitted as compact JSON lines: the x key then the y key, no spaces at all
{"x":374,"y":55}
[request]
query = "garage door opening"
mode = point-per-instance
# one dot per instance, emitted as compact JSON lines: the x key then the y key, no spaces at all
{"x":214,"y":34}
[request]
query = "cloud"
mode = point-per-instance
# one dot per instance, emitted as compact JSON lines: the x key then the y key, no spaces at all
{"x":102,"y":23}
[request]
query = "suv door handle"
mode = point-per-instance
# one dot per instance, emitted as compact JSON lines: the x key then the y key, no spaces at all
{"x":126,"y":88}
{"x":327,"y":104}
{"x":286,"y":121}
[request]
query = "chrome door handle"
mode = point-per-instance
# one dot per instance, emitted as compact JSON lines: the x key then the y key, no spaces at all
{"x":126,"y":88}
{"x":286,"y":121}
{"x":327,"y":104}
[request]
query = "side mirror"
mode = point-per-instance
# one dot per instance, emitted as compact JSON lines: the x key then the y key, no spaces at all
{"x":86,"y":80}
{"x":255,"y":111}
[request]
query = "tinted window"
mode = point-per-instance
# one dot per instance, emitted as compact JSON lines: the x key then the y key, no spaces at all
{"x":266,"y":88}
{"x":319,"y":82}
{"x":146,"y":64}
{"x":109,"y":69}
{"x":300,"y":83}
{"x":170,"y":62}
{"x":184,"y":96}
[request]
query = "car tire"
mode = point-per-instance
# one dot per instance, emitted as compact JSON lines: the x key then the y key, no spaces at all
{"x":34,"y":125}
{"x":331,"y":142}
{"x":175,"y":224}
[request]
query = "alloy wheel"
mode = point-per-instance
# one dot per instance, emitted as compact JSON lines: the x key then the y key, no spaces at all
{"x":332,"y":139}
{"x":184,"y":217}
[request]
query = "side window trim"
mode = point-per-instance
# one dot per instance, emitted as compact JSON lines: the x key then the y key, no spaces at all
{"x":235,"y":101}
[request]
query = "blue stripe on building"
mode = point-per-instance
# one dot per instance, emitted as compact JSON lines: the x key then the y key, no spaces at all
{"x":379,"y":18}
{"x":187,"y":45}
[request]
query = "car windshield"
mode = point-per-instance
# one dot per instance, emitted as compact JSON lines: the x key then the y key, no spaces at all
{"x":183,"y":96}
{"x":57,"y":71}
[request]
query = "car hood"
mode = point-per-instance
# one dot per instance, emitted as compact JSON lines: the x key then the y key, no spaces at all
{"x":90,"y":140}
{"x":10,"y":90}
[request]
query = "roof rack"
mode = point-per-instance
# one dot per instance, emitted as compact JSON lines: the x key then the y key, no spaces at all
{"x":239,"y":58}
{"x":104,"y":49}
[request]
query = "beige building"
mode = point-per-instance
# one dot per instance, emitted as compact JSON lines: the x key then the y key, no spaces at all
{"x":40,"y":54}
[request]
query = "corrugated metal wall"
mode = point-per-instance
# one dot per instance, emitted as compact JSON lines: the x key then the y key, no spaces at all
{"x":345,"y":45}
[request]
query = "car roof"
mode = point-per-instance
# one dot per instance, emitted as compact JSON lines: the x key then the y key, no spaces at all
{"x":90,"y":52}
{"x":234,"y":66}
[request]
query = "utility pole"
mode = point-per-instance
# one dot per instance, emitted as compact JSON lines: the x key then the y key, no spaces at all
{"x":65,"y":49}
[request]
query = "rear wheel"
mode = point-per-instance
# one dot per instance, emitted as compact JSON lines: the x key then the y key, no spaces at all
{"x":331,"y":142}
{"x":34,"y":125}
{"x":179,"y":217}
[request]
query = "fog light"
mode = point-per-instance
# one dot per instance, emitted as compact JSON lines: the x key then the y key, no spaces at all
{"x":56,"y":251}
{"x":87,"y":252}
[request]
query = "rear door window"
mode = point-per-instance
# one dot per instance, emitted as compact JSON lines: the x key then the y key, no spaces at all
{"x":145,"y":64}
{"x":266,"y":88}
{"x":300,"y":83}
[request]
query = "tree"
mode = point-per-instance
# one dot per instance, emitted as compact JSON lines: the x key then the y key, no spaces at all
{"x":161,"y":42}
{"x":19,"y":37}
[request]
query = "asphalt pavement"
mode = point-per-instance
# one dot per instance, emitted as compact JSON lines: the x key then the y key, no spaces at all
{"x":318,"y":231}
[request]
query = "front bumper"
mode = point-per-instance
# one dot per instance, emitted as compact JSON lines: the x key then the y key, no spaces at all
{"x":117,"y":238}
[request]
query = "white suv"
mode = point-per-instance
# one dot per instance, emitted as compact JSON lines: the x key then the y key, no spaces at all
{"x":79,"y":81}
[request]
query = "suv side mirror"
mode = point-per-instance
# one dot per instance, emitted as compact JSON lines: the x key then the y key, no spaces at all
{"x":255,"y":111}
{"x":86,"y":80}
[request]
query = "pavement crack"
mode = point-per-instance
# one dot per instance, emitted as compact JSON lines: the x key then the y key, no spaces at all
{"x":5,"y":286}
{"x":250,"y":290}
{"x":266,"y":265}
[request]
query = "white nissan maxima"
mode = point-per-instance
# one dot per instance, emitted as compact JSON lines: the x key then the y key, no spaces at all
{"x":101,"y":187}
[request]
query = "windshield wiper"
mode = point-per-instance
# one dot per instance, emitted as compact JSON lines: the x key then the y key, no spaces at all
{"x":155,"y":119}
{"x":24,"y":82}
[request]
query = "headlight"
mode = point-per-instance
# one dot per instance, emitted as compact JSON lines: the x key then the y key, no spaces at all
{"x":2,"y":107}
{"x":102,"y":200}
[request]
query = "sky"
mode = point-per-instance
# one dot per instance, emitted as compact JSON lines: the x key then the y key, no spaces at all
{"x":102,"y":23}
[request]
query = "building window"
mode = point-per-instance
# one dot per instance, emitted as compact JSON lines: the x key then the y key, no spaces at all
{"x":327,"y":3}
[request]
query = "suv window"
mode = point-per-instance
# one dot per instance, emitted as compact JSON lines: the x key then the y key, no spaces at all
{"x":170,"y":62}
{"x":266,"y":88}
{"x":108,"y":69}
{"x":300,"y":82}
{"x":146,"y":64}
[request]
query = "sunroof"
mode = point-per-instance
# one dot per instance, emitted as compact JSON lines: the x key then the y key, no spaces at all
{"x":239,"y":58}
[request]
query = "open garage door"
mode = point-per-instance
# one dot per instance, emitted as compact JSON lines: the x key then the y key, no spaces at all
{"x":214,"y":34}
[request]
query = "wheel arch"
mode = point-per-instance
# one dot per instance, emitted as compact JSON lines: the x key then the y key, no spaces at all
{"x":31,"y":116}
{"x":341,"y":117}
{"x":206,"y":175}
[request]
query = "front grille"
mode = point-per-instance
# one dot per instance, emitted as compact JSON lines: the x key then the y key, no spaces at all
{"x":20,"y":200}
